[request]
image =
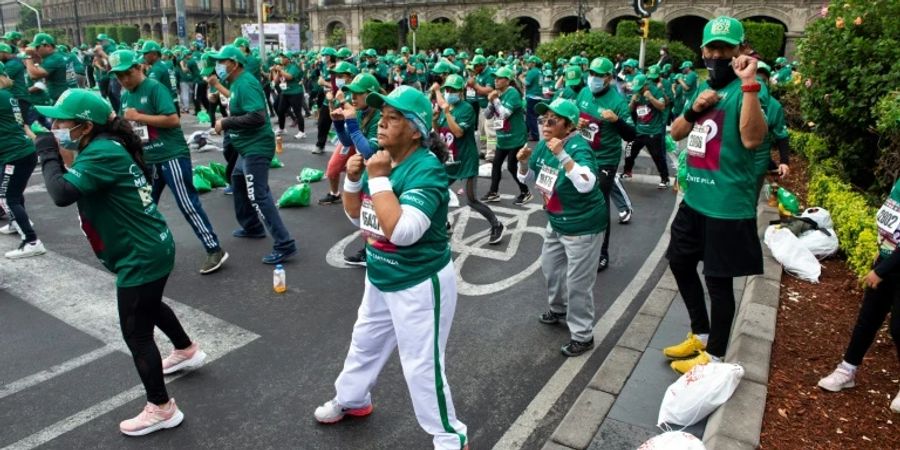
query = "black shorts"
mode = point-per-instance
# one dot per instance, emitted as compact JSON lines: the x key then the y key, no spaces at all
{"x":728,"y":248}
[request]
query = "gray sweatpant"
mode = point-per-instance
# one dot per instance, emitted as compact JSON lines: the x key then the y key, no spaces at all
{"x":570,"y":264}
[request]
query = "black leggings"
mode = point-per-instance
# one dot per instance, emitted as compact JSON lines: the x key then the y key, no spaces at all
{"x":656,"y":146}
{"x":200,"y":97}
{"x":473,"y":202}
{"x":875,"y":306}
{"x":269,"y":93}
{"x":324,"y":126}
{"x":211,"y":108}
{"x":231,"y":157}
{"x":141,"y":310}
{"x":12,"y":193}
{"x":511,"y":164}
{"x":295,"y":103}
{"x":721,"y":300}
{"x":605,"y":178}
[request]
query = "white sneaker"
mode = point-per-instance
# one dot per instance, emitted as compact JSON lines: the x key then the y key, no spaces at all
{"x":12,"y":228}
{"x":840,"y":379}
{"x":27,"y":249}
{"x":188,"y":359}
{"x":895,"y":405}
{"x":332,"y":412}
{"x":300,"y":135}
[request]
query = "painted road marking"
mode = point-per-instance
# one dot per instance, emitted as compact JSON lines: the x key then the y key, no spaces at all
{"x":59,"y":369}
{"x":84,"y":297}
{"x":528,"y":421}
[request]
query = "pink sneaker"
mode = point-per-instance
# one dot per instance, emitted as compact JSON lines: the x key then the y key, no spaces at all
{"x":153,"y":418}
{"x":187,"y":359}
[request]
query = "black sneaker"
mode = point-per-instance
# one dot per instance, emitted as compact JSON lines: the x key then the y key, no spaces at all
{"x":604,"y":263}
{"x":359,"y":259}
{"x":496,"y":234}
{"x":490,"y":197}
{"x":330,"y":199}
{"x":551,"y":317}
{"x":575,"y":348}
{"x":523,"y":198}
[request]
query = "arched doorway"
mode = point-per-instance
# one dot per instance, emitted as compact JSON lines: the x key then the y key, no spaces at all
{"x":687,"y":30}
{"x":611,"y":26}
{"x":441,"y":20}
{"x":145,"y":31}
{"x":570,"y":24}
{"x":767,"y":19}
{"x":402,"y":30}
{"x":531,"y":31}
{"x":157,"y":31}
{"x":335,"y":34}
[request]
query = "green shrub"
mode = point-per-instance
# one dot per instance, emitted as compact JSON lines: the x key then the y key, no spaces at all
{"x":658,"y":29}
{"x":479,"y":29}
{"x":630,"y":28}
{"x":437,"y":35}
{"x":600,"y":43}
{"x":129,"y":34}
{"x":767,"y":38}
{"x":90,"y":34}
{"x":380,"y":35}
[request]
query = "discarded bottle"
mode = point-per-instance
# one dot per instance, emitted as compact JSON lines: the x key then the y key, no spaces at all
{"x":279,"y":281}
{"x":279,"y":144}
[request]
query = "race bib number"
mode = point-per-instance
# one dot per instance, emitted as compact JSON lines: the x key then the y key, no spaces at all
{"x":696,"y":145}
{"x":9,"y":169}
{"x":283,"y":86}
{"x":888,"y":218}
{"x":546,"y":180}
{"x":368,"y":221}
{"x":498,"y":124}
{"x":470,"y":93}
{"x":644,"y":113}
{"x":591,"y":131}
{"x":141,"y":131}
{"x":450,"y":140}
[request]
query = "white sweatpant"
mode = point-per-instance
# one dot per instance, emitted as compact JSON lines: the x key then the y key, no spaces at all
{"x":410,"y":320}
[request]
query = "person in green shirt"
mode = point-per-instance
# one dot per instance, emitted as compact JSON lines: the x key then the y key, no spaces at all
{"x":160,"y":70}
{"x":455,"y":122}
{"x":688,"y":83}
{"x":17,"y":163}
{"x":248,"y":134}
{"x":108,"y":181}
{"x":17,"y":74}
{"x":288,"y":76}
{"x":507,"y":118}
{"x":572,"y":84}
{"x":648,"y":105}
{"x":562,"y":168}
{"x":784,"y":73}
{"x":532,"y":79}
{"x":778,"y":134}
{"x":724,"y":123}
{"x":148,"y":105}
{"x":51,"y":66}
{"x":78,"y":66}
{"x":399,"y":199}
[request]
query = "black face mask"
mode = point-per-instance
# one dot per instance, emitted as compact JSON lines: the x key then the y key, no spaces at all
{"x":720,"y":72}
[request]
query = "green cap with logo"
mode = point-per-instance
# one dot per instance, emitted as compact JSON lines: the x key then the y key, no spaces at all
{"x":122,"y":60}
{"x":42,"y":39}
{"x":686,"y":65}
{"x":653,"y":72}
{"x":630,"y":62}
{"x":478,"y":59}
{"x":455,"y":82}
{"x":449,"y":52}
{"x":229,"y":52}
{"x":405,"y":99}
{"x":535,"y":60}
{"x":12,"y":36}
{"x":573,"y":76}
{"x":344,"y":67}
{"x":328,"y":51}
{"x":638,"y":82}
{"x":561,"y":107}
{"x":5,"y":48}
{"x":723,"y":29}
{"x":601,"y":66}
{"x":504,"y":72}
{"x":404,"y":50}
{"x":78,"y":104}
{"x":344,"y":53}
{"x":151,"y":46}
{"x":362,"y":83}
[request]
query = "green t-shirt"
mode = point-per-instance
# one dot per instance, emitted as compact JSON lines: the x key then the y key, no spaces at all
{"x":247,"y":96}
{"x":419,"y":181}
{"x":71,"y":78}
{"x":160,"y":72}
{"x":15,"y":144}
{"x":293,"y":85}
{"x":690,"y":79}
{"x":723,"y":183}
{"x":39,"y":96}
{"x":77,"y":64}
{"x":888,"y":220}
{"x":602,"y":135}
{"x":56,"y":65}
{"x":126,"y":231}
{"x":252,"y":66}
{"x":15,"y":70}
{"x":533,"y":88}
{"x":370,"y":128}
{"x":161,"y":144}
{"x":463,"y":160}
{"x":484,"y":79}
{"x":511,"y":134}
{"x":569,"y":212}
{"x":566,"y":93}
{"x":777,"y":130}
{"x":649,"y":120}
{"x":784,"y":75}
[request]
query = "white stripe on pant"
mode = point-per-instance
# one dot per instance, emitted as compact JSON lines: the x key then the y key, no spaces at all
{"x":187,"y":207}
{"x":408,"y":320}
{"x":570,"y":264}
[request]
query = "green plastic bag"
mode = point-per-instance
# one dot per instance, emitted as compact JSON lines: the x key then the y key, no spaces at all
{"x":214,"y":179}
{"x":218,"y":168}
{"x":332,"y":136}
{"x":36,"y":127}
{"x":788,"y":204}
{"x":671,"y":146}
{"x":203,"y":117}
{"x":682,"y":171}
{"x":310,"y":175}
{"x":201,"y":184}
{"x":276,"y":164}
{"x":296,"y":195}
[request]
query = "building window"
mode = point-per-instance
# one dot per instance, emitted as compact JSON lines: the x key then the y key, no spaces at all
{"x":204,"y":5}
{"x":291,"y":6}
{"x":240,"y":5}
{"x":154,"y":4}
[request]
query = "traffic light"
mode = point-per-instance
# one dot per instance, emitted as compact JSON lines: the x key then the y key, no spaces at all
{"x":413,"y":21}
{"x":266,"y":12}
{"x":645,"y":28}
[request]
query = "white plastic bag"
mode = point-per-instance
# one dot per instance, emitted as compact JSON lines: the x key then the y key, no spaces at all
{"x":793,"y":256}
{"x":673,"y":440}
{"x":820,"y":215}
{"x":484,"y":170}
{"x":454,"y":200}
{"x":820,"y":243}
{"x":698,"y":393}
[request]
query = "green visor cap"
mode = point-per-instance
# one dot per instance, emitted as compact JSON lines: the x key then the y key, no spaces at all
{"x":573,"y":76}
{"x":78,"y":104}
{"x":760,"y":67}
{"x":561,"y":107}
{"x":5,"y":48}
{"x":405,"y":99}
{"x":150,"y":46}
{"x":229,"y":52}
{"x":601,"y":66}
{"x":122,"y":60}
{"x":455,"y":82}
{"x":42,"y":39}
{"x":504,"y":72}
{"x":638,"y":82}
{"x":723,"y":29}
{"x":344,"y":67}
{"x":478,"y":59}
{"x":362,"y":83}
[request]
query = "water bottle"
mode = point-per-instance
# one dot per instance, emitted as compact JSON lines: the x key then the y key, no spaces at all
{"x":279,"y":144}
{"x":279,"y":282}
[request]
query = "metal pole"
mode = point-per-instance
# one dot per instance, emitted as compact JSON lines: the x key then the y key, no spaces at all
{"x":2,"y":20}
{"x":180,"y":20}
{"x":414,"y":42}
{"x":222,"y":23}
{"x":643,"y":51}
{"x":36,"y":12}
{"x":262,"y":34}
{"x":77,"y":24}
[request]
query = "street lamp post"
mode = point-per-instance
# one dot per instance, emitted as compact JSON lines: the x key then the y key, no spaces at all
{"x":36,"y":12}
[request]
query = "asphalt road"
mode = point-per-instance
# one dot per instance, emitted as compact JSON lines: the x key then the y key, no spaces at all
{"x":66,"y":379}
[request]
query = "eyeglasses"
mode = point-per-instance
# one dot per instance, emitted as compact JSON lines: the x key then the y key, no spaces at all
{"x":549,"y":121}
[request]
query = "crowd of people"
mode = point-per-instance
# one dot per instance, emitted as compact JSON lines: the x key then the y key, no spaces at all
{"x":408,"y":126}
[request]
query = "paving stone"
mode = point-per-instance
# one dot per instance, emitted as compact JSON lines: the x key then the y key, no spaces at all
{"x":658,"y":302}
{"x":756,"y":320}
{"x":771,"y":267}
{"x":638,"y":402}
{"x":669,"y":332}
{"x":740,"y":418}
{"x":639,"y":332}
{"x":615,"y":435}
{"x":763,"y":291}
{"x":550,"y":445}
{"x":720,"y":442}
{"x":667,"y":281}
{"x":753,"y":354}
{"x":581,"y":423}
{"x":616,"y":369}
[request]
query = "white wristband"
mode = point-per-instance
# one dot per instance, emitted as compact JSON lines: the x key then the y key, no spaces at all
{"x":379,"y":184}
{"x":563,"y":158}
{"x":352,"y":186}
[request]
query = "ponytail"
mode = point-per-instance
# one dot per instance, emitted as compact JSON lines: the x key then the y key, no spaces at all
{"x":436,"y":145}
{"x":119,"y":130}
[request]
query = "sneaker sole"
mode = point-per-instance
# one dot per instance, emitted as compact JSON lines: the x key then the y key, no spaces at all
{"x":171,"y":423}
{"x":216,"y":267}
{"x":680,"y":356}
{"x":359,"y":412}
{"x":847,"y":386}
{"x":570,"y":354}
{"x":189,"y":364}
{"x":491,"y":200}
{"x":27,"y":255}
{"x":355,"y":263}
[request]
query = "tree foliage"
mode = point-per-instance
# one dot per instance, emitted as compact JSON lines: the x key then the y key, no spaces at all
{"x":338,"y":37}
{"x":380,"y":35}
{"x":479,"y":29}
{"x":766,"y":38}
{"x":437,"y":35}
{"x":601,"y":43}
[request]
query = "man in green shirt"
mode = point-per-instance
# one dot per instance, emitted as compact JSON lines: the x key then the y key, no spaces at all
{"x":648,"y":104}
{"x":160,"y":70}
{"x":148,"y":105}
{"x":688,"y":82}
{"x":52,"y":66}
{"x":534,"y":94}
{"x":16,"y":72}
{"x":724,"y":123}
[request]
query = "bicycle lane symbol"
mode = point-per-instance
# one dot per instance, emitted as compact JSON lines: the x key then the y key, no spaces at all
{"x":514,"y":219}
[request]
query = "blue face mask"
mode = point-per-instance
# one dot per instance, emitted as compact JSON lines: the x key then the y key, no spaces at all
{"x":452,"y":98}
{"x":596,"y":84}
{"x":221,"y":71}
{"x":64,"y":137}
{"x":340,"y":82}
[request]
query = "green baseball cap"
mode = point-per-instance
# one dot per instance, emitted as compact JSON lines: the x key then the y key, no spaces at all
{"x":504,"y":72}
{"x":781,"y":60}
{"x":723,"y":29}
{"x":241,"y":42}
{"x":122,"y":60}
{"x":344,"y":53}
{"x":561,"y":107}
{"x":404,"y":50}
{"x":12,"y":36}
{"x":362,"y":83}
{"x":478,"y":59}
{"x":686,"y":65}
{"x":370,"y":53}
{"x":6,"y":48}
{"x":449,"y":52}
{"x":328,"y":51}
{"x":42,"y":39}
{"x":479,"y":51}
{"x":535,"y":60}
{"x":344,"y":67}
{"x":573,"y":75}
{"x":455,"y":82}
{"x":229,"y":52}
{"x":405,"y":99}
{"x":630,"y":62}
{"x":442,"y":66}
{"x":78,"y":104}
{"x":575,"y":61}
{"x":102,"y":37}
{"x":653,"y":73}
{"x":601,"y":66}
{"x":638,"y":82}
{"x":151,"y":46}
{"x":760,"y":67}
{"x":463,"y":55}
{"x":666,"y":68}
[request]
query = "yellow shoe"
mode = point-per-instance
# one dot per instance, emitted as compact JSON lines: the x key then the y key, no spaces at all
{"x":685,"y":365}
{"x":687,"y":349}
